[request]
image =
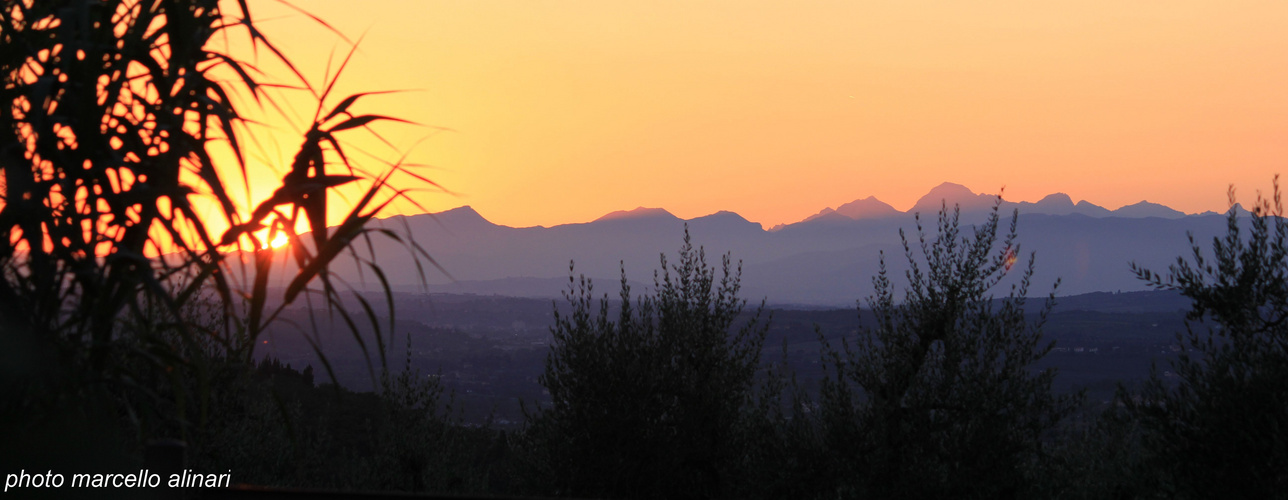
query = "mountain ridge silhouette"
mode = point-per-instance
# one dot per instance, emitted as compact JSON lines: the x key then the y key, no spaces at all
{"x":827,"y":259}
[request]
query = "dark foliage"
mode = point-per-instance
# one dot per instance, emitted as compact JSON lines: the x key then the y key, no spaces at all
{"x":1219,"y":427}
{"x":940,"y":400}
{"x":118,"y":304}
{"x":649,"y":405}
{"x":278,"y":429}
{"x":1097,"y":454}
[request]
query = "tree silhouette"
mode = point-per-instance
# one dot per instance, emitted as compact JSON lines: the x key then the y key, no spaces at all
{"x":939,"y":399}
{"x":1219,"y":429}
{"x":647,"y":405}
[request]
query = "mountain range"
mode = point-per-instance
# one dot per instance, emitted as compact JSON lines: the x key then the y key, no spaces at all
{"x":957,"y":194}
{"x":825,"y":260}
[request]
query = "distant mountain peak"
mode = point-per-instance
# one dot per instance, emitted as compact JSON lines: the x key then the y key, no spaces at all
{"x":723,"y":214}
{"x":462,"y":218}
{"x":1057,"y":200}
{"x":951,"y":188}
{"x":462,"y":213}
{"x":864,"y":208}
{"x":1146,"y":209}
{"x":637,"y":213}
{"x":1052,"y":204}
{"x":867,"y":208}
{"x":725,"y":219}
{"x":951,"y":194}
{"x":462,"y":210}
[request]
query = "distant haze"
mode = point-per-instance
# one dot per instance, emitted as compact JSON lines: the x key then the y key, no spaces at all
{"x":828,"y":259}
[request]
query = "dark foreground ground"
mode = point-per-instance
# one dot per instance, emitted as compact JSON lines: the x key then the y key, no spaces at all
{"x":490,"y":350}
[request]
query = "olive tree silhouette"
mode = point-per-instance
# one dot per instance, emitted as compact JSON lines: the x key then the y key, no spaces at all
{"x":648,"y":405}
{"x":112,"y":110}
{"x":1220,"y":428}
{"x":940,"y":399}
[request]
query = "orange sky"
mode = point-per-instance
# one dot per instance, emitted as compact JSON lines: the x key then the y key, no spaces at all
{"x":562,"y":111}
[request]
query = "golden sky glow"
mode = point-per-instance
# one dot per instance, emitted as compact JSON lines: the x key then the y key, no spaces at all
{"x":562,"y":111}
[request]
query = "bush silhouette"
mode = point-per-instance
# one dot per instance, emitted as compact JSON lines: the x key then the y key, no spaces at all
{"x":939,"y":399}
{"x":648,"y":405}
{"x":1219,"y":430}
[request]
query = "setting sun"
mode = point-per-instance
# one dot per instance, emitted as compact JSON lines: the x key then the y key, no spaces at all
{"x":279,"y":241}
{"x":299,"y":213}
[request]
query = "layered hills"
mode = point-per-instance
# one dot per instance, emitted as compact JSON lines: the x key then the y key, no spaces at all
{"x":826,"y":259}
{"x":951,"y":195}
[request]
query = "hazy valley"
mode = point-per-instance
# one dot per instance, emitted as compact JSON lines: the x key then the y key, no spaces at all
{"x":825,"y":260}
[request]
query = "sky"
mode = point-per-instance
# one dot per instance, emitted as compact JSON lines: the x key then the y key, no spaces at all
{"x":543,"y":112}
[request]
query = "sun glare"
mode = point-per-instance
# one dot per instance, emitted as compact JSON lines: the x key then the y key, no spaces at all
{"x":278,"y":241}
{"x":1011,"y":258}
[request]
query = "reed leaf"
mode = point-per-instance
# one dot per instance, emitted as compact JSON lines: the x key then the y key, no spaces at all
{"x":111,"y":107}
